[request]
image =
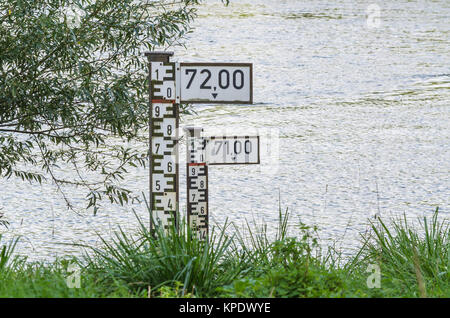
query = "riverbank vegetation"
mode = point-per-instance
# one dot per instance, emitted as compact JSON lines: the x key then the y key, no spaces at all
{"x":74,"y":89}
{"x":395,"y":260}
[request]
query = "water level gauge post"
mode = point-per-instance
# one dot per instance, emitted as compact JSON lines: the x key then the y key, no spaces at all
{"x":163,"y":141}
{"x":196,"y":183}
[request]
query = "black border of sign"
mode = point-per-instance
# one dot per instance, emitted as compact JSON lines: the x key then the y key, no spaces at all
{"x":232,"y":163}
{"x":220,"y":64}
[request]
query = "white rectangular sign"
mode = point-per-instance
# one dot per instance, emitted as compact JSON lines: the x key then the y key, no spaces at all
{"x":230,"y":83}
{"x":232,"y":150}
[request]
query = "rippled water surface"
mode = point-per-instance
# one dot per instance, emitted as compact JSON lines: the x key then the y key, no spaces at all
{"x":361,"y":112}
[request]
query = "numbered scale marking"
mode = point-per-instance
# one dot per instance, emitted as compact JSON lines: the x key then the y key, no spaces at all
{"x":229,"y":83}
{"x":197,"y":184}
{"x":163,"y":145}
{"x":232,"y":150}
{"x":163,"y":81}
{"x":170,"y":85}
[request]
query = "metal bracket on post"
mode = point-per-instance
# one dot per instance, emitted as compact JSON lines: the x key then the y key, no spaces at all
{"x":163,"y":141}
{"x":197,"y":183}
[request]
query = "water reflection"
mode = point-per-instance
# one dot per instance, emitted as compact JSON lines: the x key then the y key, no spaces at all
{"x":362,"y":115}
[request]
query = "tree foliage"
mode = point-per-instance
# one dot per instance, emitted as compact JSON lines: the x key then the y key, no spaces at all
{"x":73,"y":91}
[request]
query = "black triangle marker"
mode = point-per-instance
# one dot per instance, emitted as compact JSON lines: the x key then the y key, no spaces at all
{"x":214,"y":95}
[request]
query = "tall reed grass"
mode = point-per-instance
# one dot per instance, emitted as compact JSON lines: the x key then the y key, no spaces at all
{"x":149,"y":260}
{"x":417,"y":260}
{"x":7,"y":258}
{"x":248,"y":262}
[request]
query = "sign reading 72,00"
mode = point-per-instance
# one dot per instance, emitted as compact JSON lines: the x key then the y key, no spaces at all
{"x":216,"y":83}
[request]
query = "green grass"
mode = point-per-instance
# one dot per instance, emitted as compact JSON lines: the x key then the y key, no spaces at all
{"x":49,"y":280}
{"x":413,"y":262}
{"x":147,"y":262}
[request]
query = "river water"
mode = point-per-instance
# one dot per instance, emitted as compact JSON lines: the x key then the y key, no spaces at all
{"x":351,"y":98}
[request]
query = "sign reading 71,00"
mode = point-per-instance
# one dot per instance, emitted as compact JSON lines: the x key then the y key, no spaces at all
{"x":230,"y":83}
